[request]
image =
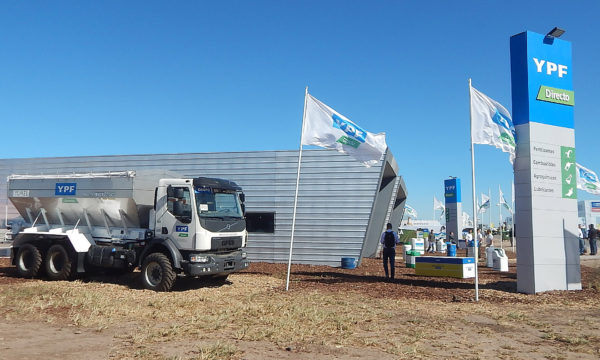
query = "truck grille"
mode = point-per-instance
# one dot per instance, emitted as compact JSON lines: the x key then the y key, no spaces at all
{"x":226,"y":243}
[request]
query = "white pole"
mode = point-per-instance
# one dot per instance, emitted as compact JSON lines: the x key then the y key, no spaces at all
{"x":475,"y":248}
{"x":490,"y":206}
{"x":500,"y":216}
{"x":287,"y":281}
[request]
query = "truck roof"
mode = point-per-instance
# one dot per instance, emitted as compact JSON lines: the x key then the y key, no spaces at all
{"x":216,"y":183}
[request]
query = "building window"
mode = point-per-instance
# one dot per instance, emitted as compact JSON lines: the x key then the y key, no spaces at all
{"x":260,"y":222}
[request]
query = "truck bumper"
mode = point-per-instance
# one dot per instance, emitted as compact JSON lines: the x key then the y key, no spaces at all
{"x":218,"y":264}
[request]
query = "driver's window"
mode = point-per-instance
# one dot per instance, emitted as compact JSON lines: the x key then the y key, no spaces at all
{"x":179,"y":203}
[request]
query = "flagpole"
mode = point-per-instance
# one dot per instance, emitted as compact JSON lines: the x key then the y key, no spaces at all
{"x":490,"y":207}
{"x":475,"y":248}
{"x":287,"y":281}
{"x":500,"y":215}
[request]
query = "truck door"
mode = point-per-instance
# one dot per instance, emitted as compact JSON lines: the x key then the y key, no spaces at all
{"x":177,"y":222}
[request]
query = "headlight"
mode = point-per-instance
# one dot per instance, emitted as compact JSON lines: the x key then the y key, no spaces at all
{"x":199,"y":259}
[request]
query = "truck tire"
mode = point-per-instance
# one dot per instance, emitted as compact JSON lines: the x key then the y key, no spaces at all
{"x":58,"y":263}
{"x":29,"y":261}
{"x":157,"y":272}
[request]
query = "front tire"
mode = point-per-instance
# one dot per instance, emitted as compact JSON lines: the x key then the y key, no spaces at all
{"x":58,"y":263}
{"x":157,"y":272}
{"x":29,"y":261}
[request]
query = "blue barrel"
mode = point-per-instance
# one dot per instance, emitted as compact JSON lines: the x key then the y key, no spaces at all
{"x":451,"y":249}
{"x":348,"y":263}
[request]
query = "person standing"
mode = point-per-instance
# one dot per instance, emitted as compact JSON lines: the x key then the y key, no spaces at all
{"x":389,"y":239}
{"x":489,"y":238}
{"x":451,"y":238}
{"x":431,"y":247}
{"x":479,"y":242}
{"x":582,"y":236}
{"x":592,"y":235}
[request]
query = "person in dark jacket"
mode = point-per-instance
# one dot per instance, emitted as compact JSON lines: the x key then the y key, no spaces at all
{"x":389,"y":250}
{"x":592,"y":235}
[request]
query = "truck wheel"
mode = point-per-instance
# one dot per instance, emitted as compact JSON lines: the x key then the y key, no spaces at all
{"x":58,"y":263}
{"x":29,"y":261}
{"x":157,"y":273}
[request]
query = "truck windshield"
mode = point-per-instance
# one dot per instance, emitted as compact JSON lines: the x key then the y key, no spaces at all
{"x":214,"y":203}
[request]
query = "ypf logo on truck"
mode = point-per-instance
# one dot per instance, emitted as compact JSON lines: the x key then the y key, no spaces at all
{"x":62,"y":189}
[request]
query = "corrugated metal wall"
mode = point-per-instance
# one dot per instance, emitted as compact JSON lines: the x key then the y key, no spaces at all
{"x":336,"y":201}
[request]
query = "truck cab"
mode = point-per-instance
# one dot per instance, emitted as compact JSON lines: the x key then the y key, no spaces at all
{"x":204,"y":219}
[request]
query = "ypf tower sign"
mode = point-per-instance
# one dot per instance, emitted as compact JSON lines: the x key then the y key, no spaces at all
{"x":453,"y":209}
{"x":545,"y":178}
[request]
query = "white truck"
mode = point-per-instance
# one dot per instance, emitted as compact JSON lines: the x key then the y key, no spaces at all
{"x":166,"y":225}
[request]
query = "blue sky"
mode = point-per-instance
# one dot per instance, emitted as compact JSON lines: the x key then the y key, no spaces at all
{"x":129,"y":77}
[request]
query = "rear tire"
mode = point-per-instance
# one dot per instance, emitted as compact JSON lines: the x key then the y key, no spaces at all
{"x":158,"y":273}
{"x":29,"y":261}
{"x":58,"y":263}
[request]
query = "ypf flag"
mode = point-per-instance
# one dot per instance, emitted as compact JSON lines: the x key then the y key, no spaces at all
{"x":503,"y":200}
{"x":491,"y":124}
{"x":410,"y":211}
{"x":327,"y":128}
{"x":587,"y":180}
{"x":485,"y":203}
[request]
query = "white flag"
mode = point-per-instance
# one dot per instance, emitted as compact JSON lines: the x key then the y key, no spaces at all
{"x":327,"y":128}
{"x":466,"y":219}
{"x":491,"y":124}
{"x":485,"y":203}
{"x":503,"y":201}
{"x":409,"y":211}
{"x":587,"y":180}
{"x":438,"y":205}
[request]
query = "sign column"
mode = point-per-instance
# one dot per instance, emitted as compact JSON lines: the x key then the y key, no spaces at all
{"x":545,"y":177}
{"x":452,"y":198}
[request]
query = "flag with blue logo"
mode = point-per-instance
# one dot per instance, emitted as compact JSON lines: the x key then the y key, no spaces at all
{"x":485,"y":203}
{"x":410,"y":211}
{"x":587,"y":180}
{"x":492,"y":124}
{"x":503,"y":200}
{"x":327,"y":128}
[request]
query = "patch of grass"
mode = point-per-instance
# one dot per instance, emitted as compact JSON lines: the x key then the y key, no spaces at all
{"x":569,"y":340}
{"x":217,"y":351}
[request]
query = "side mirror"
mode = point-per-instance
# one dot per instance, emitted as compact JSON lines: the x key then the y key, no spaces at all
{"x":242,"y":197}
{"x":243,"y":209}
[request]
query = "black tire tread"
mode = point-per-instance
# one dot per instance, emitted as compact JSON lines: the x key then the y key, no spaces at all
{"x":66,"y":272}
{"x":34,"y":270}
{"x":169,"y":275}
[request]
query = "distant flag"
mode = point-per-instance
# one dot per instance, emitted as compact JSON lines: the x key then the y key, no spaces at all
{"x":503,"y":201}
{"x":327,"y":128}
{"x":438,"y":205}
{"x":491,"y":124}
{"x":410,"y":211}
{"x":485,"y":203}
{"x":466,"y":219}
{"x":587,"y":180}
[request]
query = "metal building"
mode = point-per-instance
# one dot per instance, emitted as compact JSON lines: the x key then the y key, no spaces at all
{"x":342,"y":205}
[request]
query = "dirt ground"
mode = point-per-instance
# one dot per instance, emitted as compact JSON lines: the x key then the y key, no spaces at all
{"x":329,"y":313}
